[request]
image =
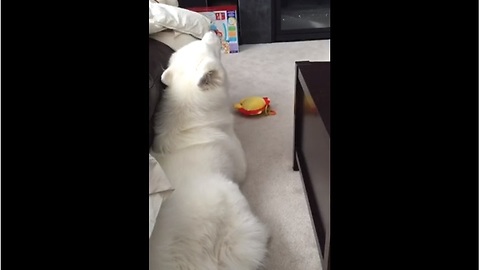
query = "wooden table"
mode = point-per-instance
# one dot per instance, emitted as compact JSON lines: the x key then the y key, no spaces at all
{"x":312,"y":145}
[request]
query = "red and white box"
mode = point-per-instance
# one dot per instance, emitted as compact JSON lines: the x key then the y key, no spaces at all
{"x":224,"y":20}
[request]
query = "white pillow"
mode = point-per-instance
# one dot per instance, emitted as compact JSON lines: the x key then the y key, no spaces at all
{"x":168,"y":2}
{"x":164,"y":16}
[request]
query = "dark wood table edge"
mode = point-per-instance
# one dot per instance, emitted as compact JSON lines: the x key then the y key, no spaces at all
{"x":298,"y":159}
{"x":297,"y":112}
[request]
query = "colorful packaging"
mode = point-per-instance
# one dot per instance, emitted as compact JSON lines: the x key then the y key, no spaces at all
{"x":224,"y":20}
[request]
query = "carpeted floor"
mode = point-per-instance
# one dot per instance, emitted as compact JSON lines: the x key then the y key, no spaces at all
{"x":275,"y":192}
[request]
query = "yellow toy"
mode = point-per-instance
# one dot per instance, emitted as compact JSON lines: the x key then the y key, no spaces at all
{"x":254,"y":106}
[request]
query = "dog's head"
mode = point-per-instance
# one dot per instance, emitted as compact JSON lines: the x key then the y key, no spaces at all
{"x":196,"y":66}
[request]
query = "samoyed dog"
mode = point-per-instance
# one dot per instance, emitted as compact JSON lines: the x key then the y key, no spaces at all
{"x":206,"y":223}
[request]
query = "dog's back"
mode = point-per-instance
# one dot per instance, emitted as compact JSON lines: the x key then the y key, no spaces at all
{"x":195,"y":110}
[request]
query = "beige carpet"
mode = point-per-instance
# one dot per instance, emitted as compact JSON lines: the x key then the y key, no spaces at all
{"x":275,"y":192}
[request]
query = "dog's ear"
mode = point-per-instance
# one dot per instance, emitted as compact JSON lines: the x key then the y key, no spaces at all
{"x":210,"y":79}
{"x":167,"y":76}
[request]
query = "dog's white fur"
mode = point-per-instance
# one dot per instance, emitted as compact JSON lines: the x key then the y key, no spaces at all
{"x":206,"y":223}
{"x":196,"y":113}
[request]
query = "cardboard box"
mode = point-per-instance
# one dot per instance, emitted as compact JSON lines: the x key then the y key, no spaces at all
{"x":224,"y":20}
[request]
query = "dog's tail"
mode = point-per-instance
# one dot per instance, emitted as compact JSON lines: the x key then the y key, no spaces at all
{"x":242,"y":238}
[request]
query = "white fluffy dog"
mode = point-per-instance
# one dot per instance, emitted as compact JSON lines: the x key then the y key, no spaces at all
{"x":207,"y":223}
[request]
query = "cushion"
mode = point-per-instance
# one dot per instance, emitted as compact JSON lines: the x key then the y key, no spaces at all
{"x":173,"y":39}
{"x":159,"y":54}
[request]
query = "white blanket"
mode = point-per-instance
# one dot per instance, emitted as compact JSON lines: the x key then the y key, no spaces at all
{"x":164,"y":16}
{"x":159,"y":190}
